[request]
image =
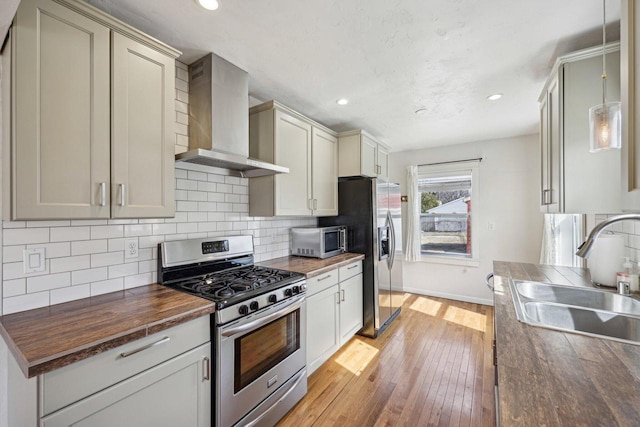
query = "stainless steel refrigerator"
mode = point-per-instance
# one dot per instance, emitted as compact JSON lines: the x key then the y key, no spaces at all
{"x":370,"y":208}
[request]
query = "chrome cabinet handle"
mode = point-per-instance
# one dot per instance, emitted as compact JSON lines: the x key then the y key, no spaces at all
{"x":378,"y":169}
{"x":324,"y":278}
{"x":103,"y":194}
{"x":315,"y":204}
{"x":206,"y":367}
{"x":546,"y":197}
{"x":342,"y":292}
{"x":337,"y":294}
{"x":146,"y":347}
{"x":122,"y":195}
{"x":353,"y":266}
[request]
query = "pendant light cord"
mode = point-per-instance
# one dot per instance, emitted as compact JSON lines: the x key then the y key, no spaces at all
{"x":604,"y":61}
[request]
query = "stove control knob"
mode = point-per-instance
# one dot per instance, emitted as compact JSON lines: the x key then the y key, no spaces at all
{"x":303,"y":288}
{"x":254,"y":305}
{"x":288,"y":293}
{"x":273,"y":298}
{"x":243,"y":309}
{"x":296,"y":289}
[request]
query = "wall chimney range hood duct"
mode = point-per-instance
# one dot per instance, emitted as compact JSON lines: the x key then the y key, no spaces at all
{"x":219,"y":119}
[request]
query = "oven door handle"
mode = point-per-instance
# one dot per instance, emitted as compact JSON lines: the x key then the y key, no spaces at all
{"x":293,"y":306}
{"x":301,"y":375}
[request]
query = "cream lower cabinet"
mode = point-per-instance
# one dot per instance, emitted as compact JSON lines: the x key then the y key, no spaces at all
{"x":91,"y":120}
{"x":282,"y":136}
{"x":573,"y":180}
{"x":334,"y":312}
{"x":163,"y":379}
{"x":361,"y":155}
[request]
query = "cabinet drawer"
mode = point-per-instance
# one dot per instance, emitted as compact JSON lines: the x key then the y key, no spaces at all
{"x":350,"y":270}
{"x":321,"y":282}
{"x":66,"y":385}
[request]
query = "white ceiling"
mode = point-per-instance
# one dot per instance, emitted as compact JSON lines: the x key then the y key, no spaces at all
{"x":389,"y":58}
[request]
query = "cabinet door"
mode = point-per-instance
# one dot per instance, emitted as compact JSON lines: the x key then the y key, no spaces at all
{"x":382,"y":155}
{"x":555,"y":147}
{"x":323,"y":337}
{"x":630,"y":97}
{"x":174,"y":393}
{"x":368,"y":157}
{"x":60,"y":114}
{"x":350,"y":307}
{"x":143,"y":134}
{"x":293,"y":150}
{"x":325,"y":173}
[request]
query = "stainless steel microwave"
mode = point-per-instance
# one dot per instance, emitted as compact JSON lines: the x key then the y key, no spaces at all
{"x":318,"y":242}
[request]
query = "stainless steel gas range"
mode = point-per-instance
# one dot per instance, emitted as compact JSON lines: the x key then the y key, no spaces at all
{"x":258,"y":328}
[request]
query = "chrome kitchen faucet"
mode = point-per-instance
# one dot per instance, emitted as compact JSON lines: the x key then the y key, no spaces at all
{"x":587,"y":246}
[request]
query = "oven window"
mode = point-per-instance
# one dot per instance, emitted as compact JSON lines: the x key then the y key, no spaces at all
{"x":331,"y":241}
{"x":264,"y":348}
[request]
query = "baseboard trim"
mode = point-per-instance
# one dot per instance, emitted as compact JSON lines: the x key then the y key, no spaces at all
{"x":456,"y":297}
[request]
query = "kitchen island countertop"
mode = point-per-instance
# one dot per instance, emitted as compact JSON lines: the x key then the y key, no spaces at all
{"x":554,"y":378}
{"x":49,"y":338}
{"x":311,"y":267}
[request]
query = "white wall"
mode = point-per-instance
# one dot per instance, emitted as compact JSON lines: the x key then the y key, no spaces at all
{"x":509,"y":187}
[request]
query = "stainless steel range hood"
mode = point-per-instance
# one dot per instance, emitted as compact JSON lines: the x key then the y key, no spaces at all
{"x":219,"y":119}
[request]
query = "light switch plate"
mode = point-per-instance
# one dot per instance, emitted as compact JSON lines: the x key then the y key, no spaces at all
{"x":33,"y":260}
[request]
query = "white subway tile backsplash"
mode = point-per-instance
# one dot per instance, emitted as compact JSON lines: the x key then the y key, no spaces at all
{"x":12,"y":288}
{"x":137,"y":230}
{"x":70,"y":293}
{"x":164,"y":229}
{"x":147,"y":266}
{"x":69,"y":234}
{"x":197,"y":176}
{"x":85,"y":247}
{"x":58,"y":265}
{"x":23,"y":236}
{"x":150,"y":241}
{"x":41,"y":224}
{"x":107,"y":231}
{"x":188,"y":227}
{"x":106,"y":259}
{"x":122,"y":270}
{"x":90,"y":275}
{"x":48,"y":282}
{"x":12,"y":253}
{"x":25,"y":302}
{"x":139,"y":280}
{"x":106,"y":286}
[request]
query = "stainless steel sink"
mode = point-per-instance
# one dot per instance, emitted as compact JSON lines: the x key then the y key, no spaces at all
{"x":581,"y":310}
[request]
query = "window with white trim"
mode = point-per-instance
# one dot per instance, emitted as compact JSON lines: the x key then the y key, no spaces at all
{"x":448,"y":209}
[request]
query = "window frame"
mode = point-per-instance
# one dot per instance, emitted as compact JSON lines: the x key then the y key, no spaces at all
{"x":424,"y":171}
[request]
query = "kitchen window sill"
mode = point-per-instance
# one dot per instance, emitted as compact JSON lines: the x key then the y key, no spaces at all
{"x":449,"y":260}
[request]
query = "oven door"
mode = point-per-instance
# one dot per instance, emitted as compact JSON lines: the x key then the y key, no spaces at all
{"x":256,"y":356}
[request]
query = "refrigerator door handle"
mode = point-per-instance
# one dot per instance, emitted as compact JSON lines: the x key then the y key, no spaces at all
{"x":392,"y":240}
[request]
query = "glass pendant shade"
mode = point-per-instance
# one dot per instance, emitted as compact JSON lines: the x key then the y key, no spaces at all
{"x":605,"y":128}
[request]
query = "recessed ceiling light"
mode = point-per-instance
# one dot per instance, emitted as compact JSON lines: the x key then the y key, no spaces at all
{"x":208,"y":4}
{"x":494,"y":97}
{"x":421,"y":111}
{"x":342,"y":101}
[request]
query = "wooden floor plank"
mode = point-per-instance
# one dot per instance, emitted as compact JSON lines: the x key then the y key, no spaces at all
{"x":432,"y":366}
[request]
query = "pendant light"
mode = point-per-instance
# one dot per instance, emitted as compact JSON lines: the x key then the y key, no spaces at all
{"x":604,"y":119}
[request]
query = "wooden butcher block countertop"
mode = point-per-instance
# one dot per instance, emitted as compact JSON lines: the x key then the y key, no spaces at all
{"x":312,"y":267}
{"x":49,"y":338}
{"x":553,"y":378}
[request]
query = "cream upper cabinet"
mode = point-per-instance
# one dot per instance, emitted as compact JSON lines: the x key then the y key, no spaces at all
{"x":630,"y":74}
{"x":361,"y":155}
{"x":574,"y":180}
{"x":91,"y":121}
{"x":324,"y":173}
{"x":61,"y":107}
{"x":282,"y":136}
{"x":142,"y":148}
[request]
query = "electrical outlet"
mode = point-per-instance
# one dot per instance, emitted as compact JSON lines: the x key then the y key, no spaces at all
{"x":131,"y":248}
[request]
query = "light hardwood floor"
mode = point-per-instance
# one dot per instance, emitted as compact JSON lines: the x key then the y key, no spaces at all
{"x":432,"y":367}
